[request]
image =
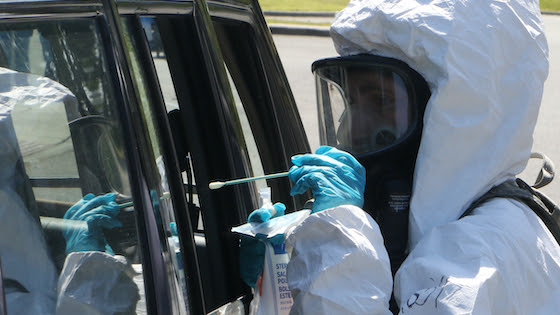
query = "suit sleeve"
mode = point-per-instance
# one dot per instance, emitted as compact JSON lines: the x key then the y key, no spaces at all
{"x":339,"y":264}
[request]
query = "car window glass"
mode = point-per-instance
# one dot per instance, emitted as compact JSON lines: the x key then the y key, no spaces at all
{"x":252,"y":150}
{"x":163,"y":206}
{"x":170,"y":99}
{"x":251,"y":88}
{"x":160,"y":62}
{"x":63,"y":172}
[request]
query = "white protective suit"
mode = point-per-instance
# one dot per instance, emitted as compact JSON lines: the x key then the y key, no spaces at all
{"x":31,"y":283}
{"x":486,"y":62}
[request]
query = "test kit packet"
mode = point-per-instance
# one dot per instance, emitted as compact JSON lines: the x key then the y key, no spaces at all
{"x":275,"y":296}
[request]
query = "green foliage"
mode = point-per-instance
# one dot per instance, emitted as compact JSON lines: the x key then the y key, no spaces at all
{"x":550,"y":5}
{"x":304,"y":5}
{"x":337,"y":5}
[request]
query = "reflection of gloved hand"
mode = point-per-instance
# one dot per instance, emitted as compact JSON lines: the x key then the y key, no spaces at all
{"x":251,"y":251}
{"x":335,"y":178}
{"x":99,"y":213}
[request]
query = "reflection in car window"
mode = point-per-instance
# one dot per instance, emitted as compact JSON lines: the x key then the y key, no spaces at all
{"x":252,"y":150}
{"x":160,"y":62}
{"x":169,"y":96}
{"x":163,"y":206}
{"x":63,"y":175}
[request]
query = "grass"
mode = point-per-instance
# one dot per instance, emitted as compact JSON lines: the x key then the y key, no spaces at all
{"x":337,"y":5}
{"x":304,"y":5}
{"x":550,"y":5}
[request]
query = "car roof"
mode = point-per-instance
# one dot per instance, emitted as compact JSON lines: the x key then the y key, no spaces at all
{"x":98,"y":1}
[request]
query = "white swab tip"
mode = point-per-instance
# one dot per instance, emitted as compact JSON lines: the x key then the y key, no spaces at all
{"x":216,"y":185}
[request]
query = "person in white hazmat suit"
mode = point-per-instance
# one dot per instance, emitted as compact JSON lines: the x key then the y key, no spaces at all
{"x":92,"y":280}
{"x":484,"y":63}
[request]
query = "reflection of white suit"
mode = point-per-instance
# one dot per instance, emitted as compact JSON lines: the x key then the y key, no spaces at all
{"x":31,"y":283}
{"x":485,"y":62}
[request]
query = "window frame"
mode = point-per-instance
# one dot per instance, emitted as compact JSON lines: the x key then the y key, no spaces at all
{"x":208,"y":99}
{"x":200,"y":100}
{"x":176,"y":187}
{"x":266,"y":72}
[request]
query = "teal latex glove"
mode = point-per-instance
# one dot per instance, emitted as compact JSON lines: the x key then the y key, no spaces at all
{"x":99,"y":213}
{"x":264,"y":214}
{"x":252,"y":250}
{"x":335,"y":177}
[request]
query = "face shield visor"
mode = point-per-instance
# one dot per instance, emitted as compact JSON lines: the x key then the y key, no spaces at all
{"x":368,"y":104}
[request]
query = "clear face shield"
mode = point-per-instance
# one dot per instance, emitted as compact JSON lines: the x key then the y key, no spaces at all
{"x":367,"y":104}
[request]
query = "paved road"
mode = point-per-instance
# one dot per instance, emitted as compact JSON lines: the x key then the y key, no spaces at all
{"x":298,"y":52}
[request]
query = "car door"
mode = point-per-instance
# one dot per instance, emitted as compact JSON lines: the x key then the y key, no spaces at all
{"x":75,"y":122}
{"x":231,"y":115}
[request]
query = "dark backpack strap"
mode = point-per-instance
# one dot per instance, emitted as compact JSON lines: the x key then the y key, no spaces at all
{"x":518,"y":190}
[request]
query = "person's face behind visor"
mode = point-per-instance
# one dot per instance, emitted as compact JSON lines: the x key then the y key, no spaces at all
{"x":363,"y":108}
{"x":378,"y":109}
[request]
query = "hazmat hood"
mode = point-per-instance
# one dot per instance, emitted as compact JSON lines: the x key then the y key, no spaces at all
{"x":485,"y":63}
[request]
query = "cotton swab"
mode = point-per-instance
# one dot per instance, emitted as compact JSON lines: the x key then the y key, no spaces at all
{"x":218,"y":185}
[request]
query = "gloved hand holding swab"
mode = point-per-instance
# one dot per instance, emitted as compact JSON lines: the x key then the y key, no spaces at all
{"x":218,"y":185}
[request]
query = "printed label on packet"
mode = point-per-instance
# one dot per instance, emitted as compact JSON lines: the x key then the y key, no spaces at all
{"x":279,"y":264}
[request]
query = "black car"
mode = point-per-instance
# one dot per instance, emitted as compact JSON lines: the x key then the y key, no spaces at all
{"x":159,"y":98}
